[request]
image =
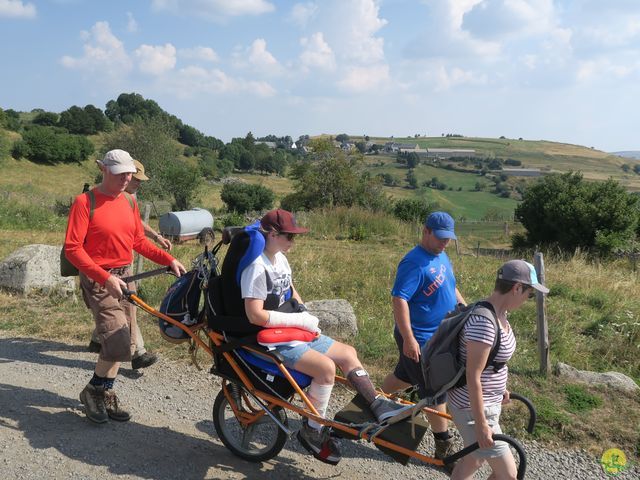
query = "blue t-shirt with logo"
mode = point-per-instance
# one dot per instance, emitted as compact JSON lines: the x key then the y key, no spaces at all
{"x":427,"y":283}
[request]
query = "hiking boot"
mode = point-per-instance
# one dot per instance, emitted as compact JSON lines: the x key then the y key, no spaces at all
{"x":384,"y":408}
{"x":445,"y":448}
{"x":114,"y":410}
{"x":94,"y":347}
{"x":319,"y":443}
{"x":92,"y":397}
{"x":143,"y":361}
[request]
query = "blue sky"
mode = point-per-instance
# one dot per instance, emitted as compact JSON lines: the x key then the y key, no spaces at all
{"x":562,"y":70}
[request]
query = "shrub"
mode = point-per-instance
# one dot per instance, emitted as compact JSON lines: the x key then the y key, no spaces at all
{"x":242,"y":197}
{"x":329,"y":178}
{"x":413,"y":210}
{"x":46,"y":145}
{"x":563,"y":210}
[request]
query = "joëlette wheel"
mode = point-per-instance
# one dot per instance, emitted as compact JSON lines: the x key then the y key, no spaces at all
{"x":258,"y":441}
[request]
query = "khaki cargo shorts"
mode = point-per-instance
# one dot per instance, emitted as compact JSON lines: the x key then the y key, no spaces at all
{"x":115,"y":319}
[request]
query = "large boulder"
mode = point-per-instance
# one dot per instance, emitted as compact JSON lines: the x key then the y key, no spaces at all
{"x":337,"y":318}
{"x":614,"y":380}
{"x":35,"y":268}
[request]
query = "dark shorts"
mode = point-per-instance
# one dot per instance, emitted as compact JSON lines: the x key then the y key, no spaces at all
{"x":113,"y":318}
{"x":410,"y":372}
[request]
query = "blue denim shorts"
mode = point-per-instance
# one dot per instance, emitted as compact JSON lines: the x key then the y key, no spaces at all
{"x":291,"y":355}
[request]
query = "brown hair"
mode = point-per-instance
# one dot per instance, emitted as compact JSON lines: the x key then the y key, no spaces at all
{"x":503,"y":286}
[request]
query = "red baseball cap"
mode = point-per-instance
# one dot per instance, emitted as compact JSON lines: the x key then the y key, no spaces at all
{"x":281,"y":221}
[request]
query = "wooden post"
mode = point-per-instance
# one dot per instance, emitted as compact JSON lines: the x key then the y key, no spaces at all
{"x":543,"y":330}
{"x":139,"y":258}
{"x":506,"y":229}
{"x":478,"y":250}
{"x":457,"y":247}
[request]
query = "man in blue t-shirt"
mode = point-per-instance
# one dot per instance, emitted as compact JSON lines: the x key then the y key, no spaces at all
{"x":423,"y":293}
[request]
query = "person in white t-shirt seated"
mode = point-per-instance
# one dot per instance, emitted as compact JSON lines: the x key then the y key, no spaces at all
{"x":269,"y":274}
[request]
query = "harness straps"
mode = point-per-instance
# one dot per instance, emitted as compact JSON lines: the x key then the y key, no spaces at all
{"x":92,"y":202}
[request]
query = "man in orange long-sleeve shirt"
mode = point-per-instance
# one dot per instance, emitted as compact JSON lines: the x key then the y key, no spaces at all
{"x":99,"y":242}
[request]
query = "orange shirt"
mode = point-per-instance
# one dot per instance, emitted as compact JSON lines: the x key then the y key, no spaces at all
{"x":107,"y":240}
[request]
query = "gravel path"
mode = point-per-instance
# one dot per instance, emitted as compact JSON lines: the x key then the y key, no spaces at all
{"x":44,"y":433}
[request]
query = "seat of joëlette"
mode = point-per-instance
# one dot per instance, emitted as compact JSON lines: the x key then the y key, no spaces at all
{"x":225,"y":307}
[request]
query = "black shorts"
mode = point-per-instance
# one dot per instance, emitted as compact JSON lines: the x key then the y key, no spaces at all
{"x":410,"y":372}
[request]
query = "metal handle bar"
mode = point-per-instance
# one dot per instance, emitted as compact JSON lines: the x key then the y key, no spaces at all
{"x":150,"y":273}
{"x":532,"y":411}
{"x":522,"y":467}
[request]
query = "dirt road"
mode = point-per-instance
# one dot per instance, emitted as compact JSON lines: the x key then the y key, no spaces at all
{"x":44,"y":433}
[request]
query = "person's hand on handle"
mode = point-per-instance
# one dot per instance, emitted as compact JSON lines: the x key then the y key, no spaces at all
{"x":115,"y":286}
{"x":484,"y":434}
{"x":177,"y":268}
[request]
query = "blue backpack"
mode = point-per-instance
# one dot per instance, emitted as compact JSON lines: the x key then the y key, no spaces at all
{"x":182,"y":303}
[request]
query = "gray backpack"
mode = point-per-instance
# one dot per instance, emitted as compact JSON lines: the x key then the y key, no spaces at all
{"x":442,"y":367}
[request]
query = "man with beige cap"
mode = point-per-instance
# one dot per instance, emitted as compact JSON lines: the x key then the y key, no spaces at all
{"x":104,"y":228}
{"x":141,"y":357}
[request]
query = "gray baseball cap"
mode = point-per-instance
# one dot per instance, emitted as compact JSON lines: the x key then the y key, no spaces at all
{"x":521,"y":272}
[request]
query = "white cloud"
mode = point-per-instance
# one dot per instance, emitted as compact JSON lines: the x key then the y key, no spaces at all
{"x":192,"y":81}
{"x":354,"y":29}
{"x":257,"y":58}
{"x":132,"y":25}
{"x":17,"y":9}
{"x":362,"y":79}
{"x":213,"y":9}
{"x":104,"y":53}
{"x":490,"y":19}
{"x":317,"y":53}
{"x":592,"y":70}
{"x":445,"y":37}
{"x":301,"y":13}
{"x":206,"y":54}
{"x":156,"y":60}
{"x":447,"y":79}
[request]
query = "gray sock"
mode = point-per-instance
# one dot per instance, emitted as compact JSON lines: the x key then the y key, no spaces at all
{"x":359,"y":379}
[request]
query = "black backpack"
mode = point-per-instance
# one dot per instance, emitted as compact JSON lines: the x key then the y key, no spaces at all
{"x":442,"y":367}
{"x":182,"y":303}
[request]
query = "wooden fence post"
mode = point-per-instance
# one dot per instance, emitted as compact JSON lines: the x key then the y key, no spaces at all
{"x":140,"y":258}
{"x":543,"y":330}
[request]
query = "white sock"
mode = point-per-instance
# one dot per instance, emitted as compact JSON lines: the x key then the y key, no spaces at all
{"x":319,"y":396}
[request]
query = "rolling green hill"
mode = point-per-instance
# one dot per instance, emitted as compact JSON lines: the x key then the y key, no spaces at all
{"x":27,"y":182}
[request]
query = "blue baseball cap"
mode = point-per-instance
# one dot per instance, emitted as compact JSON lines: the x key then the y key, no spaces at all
{"x":442,"y":225}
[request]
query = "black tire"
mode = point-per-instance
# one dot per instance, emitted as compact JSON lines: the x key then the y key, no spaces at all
{"x":259,"y":442}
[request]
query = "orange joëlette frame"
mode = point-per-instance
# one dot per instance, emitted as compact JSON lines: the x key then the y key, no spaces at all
{"x":311,"y":412}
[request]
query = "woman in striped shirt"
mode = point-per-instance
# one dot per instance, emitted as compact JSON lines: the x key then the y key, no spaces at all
{"x":476,"y":406}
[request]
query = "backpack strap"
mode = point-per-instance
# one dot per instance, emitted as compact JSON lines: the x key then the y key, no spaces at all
{"x":129,"y":197}
{"x":92,"y":202}
{"x":496,"y":340}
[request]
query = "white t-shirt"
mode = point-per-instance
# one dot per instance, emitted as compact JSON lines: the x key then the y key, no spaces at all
{"x":253,"y":281}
